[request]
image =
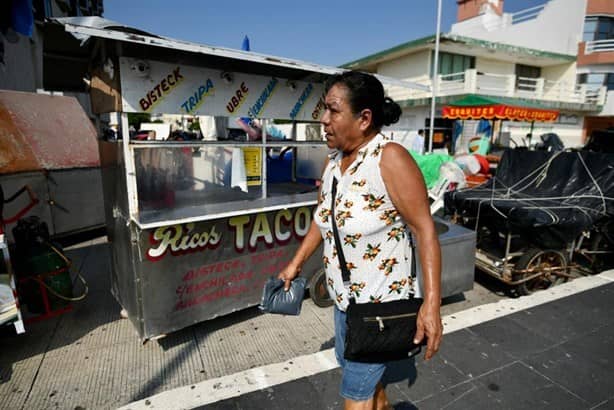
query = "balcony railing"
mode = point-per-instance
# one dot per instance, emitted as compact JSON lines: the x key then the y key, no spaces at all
{"x":598,"y":46}
{"x":527,"y":14}
{"x":595,"y":95}
{"x":508,"y":85}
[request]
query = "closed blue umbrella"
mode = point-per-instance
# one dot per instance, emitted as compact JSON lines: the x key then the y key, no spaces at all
{"x":485,"y":128}
{"x":22,"y":17}
{"x":456,"y":133}
{"x":245,"y":45}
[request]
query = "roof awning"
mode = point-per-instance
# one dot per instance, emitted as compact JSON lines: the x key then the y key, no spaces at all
{"x":83,"y":28}
{"x":475,"y":107}
{"x":44,"y":132}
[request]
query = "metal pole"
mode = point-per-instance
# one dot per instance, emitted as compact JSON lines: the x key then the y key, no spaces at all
{"x":263,"y":178}
{"x":530,"y":135}
{"x":130,"y":167}
{"x":435,"y":83}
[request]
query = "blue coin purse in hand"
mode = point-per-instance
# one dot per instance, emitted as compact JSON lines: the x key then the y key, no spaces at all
{"x":276,"y":300}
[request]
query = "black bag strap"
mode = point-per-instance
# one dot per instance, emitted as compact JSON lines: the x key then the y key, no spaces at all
{"x":345,"y":272}
{"x":412,"y":245}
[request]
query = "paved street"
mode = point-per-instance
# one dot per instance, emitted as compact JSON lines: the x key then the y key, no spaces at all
{"x":553,"y":356}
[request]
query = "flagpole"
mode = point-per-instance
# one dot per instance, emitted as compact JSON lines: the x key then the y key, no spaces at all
{"x":434,"y":81}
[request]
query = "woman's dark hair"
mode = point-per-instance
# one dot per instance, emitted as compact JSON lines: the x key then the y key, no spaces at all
{"x":366,"y":92}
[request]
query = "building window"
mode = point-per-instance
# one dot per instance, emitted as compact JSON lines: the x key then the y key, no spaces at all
{"x":571,"y":119}
{"x":525,"y":77}
{"x":453,"y":64}
{"x":594,"y":81}
{"x":598,"y":28}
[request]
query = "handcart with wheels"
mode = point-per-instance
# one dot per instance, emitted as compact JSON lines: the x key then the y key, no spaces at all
{"x":542,"y":215}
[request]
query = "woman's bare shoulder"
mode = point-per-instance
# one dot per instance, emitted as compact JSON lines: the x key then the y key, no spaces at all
{"x":395,"y":152}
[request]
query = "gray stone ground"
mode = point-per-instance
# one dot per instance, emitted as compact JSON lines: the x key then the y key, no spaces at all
{"x":91,"y":359}
{"x":556,"y":355}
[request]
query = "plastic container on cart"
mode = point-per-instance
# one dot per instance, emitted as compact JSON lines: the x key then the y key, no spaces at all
{"x":468,"y":163}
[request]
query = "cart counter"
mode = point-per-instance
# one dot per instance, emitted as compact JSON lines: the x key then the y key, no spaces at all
{"x":205,"y":239}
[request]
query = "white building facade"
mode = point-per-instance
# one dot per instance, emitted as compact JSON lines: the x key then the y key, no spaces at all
{"x":494,"y":54}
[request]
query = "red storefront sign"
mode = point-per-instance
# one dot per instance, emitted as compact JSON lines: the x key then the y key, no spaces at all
{"x":499,"y":112}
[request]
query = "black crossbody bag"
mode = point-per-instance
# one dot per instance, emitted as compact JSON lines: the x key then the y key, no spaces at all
{"x":377,"y":332}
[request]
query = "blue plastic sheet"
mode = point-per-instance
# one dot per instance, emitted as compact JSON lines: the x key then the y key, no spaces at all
{"x":22,"y":17}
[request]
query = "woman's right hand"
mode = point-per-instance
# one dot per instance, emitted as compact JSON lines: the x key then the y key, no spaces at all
{"x":288,"y":274}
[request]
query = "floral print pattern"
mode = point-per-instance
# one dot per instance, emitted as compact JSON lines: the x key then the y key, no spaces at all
{"x":397,"y":286}
{"x":373,"y":202}
{"x":352,"y":239}
{"x":377,"y":150}
{"x":324,"y":213}
{"x":396,"y":233}
{"x":356,"y":288}
{"x":372,"y":252}
{"x":375,"y":299}
{"x":353,"y":170}
{"x":371,"y":231}
{"x":387,"y":265}
{"x":342,"y":216}
{"x":326,"y":261}
{"x":389,"y":216}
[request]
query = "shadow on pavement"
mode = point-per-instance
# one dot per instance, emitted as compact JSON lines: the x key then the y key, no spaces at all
{"x":404,"y":406}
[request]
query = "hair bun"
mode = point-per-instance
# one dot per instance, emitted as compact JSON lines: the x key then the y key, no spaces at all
{"x":391,"y":111}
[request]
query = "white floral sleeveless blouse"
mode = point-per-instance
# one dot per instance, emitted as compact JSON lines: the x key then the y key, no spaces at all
{"x":373,"y":235}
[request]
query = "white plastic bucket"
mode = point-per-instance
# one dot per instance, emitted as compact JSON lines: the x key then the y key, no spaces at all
{"x":468,"y":163}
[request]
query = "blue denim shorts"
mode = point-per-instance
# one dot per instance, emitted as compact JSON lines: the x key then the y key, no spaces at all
{"x":359,"y":380}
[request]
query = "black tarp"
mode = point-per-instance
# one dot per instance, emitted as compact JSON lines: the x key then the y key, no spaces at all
{"x":549,"y":198}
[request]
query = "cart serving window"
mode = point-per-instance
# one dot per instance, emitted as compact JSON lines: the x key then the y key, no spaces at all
{"x":247,"y":163}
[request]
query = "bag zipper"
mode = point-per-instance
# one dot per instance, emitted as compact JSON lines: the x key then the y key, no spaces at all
{"x":380,"y":319}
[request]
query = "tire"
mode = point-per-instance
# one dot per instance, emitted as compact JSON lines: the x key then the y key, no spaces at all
{"x":318,"y":291}
{"x":535,"y":259}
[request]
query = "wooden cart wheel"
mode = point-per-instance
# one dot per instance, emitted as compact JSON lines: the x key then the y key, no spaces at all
{"x":317,"y":290}
{"x":535,"y":260}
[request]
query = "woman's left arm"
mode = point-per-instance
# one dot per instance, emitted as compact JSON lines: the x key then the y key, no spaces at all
{"x":405,"y":186}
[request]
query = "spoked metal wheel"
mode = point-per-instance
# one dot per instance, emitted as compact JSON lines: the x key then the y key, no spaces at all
{"x":318,"y":291}
{"x":546,"y":267}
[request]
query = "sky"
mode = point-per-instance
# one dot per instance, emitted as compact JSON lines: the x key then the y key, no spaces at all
{"x":328,"y":32}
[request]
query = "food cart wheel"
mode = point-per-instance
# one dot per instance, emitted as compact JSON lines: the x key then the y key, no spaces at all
{"x":537,"y":259}
{"x":317,"y":290}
